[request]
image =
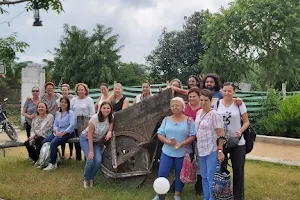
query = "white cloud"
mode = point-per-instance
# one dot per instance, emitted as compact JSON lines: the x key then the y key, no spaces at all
{"x":139,"y":23}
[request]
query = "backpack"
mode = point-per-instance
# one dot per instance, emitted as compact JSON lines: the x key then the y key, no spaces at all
{"x":44,"y":158}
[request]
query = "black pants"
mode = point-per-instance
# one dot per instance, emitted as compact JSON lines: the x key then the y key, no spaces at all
{"x":34,"y":151}
{"x":237,"y":156}
{"x":77,"y":146}
{"x":63,"y":148}
{"x":27,"y":128}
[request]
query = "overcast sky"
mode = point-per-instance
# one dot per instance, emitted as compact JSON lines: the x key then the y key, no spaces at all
{"x":138,"y":23}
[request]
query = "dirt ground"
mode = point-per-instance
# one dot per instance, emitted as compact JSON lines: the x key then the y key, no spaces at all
{"x":283,"y":152}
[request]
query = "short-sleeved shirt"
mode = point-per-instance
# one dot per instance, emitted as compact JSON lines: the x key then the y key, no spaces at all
{"x":190,"y":112}
{"x":30,"y":109}
{"x":177,"y":130}
{"x":206,"y":125}
{"x":51,"y":103}
{"x":232,"y":118}
{"x":101,"y":128}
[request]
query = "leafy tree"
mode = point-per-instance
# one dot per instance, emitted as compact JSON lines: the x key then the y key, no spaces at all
{"x":255,"y":34}
{"x":55,"y":5}
{"x":9,"y":47}
{"x":132,"y":74}
{"x":83,"y":58}
{"x":178,"y":52}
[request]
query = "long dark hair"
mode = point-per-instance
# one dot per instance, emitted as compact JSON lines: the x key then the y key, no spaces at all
{"x":198,"y":81}
{"x":68,"y":102}
{"x":216,"y":79}
{"x":100,"y":115}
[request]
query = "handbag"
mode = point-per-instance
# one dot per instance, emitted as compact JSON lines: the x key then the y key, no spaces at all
{"x":249,"y":136}
{"x":188,"y":173}
{"x":221,"y":187}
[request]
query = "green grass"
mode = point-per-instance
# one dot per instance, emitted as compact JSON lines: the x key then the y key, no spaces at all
{"x":20,"y":180}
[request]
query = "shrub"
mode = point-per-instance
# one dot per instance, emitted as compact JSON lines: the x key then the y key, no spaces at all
{"x":283,"y":120}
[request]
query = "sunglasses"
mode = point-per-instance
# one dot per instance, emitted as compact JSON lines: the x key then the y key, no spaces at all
{"x":35,"y":91}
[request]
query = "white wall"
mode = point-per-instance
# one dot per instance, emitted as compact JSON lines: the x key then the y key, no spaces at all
{"x":32,"y":76}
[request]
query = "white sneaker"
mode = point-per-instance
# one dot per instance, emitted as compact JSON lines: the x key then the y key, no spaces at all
{"x":85,"y":184}
{"x":91,"y":183}
{"x":50,"y":167}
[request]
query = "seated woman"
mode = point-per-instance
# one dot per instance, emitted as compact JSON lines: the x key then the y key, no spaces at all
{"x":118,"y":101}
{"x":99,"y":125}
{"x":41,"y":127}
{"x":145,"y":94}
{"x":63,"y":129}
{"x":173,"y":133}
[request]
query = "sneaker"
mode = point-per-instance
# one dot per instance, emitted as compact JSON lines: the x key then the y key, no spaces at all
{"x":156,"y":197}
{"x":50,"y":167}
{"x":177,"y":198}
{"x":85,"y":184}
{"x":91,"y":183}
{"x":36,"y":163}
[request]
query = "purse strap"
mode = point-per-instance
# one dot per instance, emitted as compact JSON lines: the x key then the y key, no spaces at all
{"x":187,"y":147}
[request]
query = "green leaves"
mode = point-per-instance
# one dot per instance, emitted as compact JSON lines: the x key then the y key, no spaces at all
{"x":9,"y":47}
{"x":55,"y":5}
{"x":178,"y":52}
{"x":83,"y":58}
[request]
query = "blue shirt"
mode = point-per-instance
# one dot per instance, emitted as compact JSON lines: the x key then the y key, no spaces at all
{"x":176,"y":130}
{"x":65,"y":122}
{"x":218,"y":95}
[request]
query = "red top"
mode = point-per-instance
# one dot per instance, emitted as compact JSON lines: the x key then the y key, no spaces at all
{"x":190,"y":112}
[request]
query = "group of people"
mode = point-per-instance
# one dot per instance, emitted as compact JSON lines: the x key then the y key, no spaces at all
{"x":52,"y":117}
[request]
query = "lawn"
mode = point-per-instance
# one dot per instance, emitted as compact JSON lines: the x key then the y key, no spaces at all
{"x":19,"y":180}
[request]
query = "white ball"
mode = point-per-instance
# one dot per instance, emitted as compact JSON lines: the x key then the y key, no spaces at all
{"x":161,"y":185}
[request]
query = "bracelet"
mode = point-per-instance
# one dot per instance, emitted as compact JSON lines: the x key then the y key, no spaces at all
{"x":220,"y":149}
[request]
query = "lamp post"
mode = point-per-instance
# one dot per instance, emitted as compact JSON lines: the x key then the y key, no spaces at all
{"x":36,"y":15}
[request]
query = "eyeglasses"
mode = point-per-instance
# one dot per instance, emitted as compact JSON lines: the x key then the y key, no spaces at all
{"x":35,"y":91}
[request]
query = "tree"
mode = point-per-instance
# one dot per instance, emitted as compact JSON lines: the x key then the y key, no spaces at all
{"x":178,"y":52}
{"x":9,"y":47}
{"x":132,"y":74}
{"x":255,"y":34}
{"x":83,"y":58}
{"x":55,"y":5}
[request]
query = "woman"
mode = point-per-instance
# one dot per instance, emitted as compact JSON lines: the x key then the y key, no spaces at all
{"x":82,"y":105}
{"x":99,"y":125}
{"x":232,"y":115}
{"x":175,"y":83}
{"x":65,"y":91}
{"x":29,"y":111}
{"x":209,"y":129}
{"x":193,"y":81}
{"x":63,"y":129}
{"x":118,"y":101}
{"x":104,"y":96}
{"x":145,"y":94}
{"x":173,"y":133}
{"x":50,"y":98}
{"x":41,"y":127}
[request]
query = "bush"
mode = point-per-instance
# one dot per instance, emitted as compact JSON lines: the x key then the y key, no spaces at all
{"x":283,"y":119}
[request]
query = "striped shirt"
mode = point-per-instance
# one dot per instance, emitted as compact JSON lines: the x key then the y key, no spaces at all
{"x":206,"y":125}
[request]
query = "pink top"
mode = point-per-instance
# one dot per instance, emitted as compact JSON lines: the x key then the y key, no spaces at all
{"x":190,"y":112}
{"x":206,"y":125}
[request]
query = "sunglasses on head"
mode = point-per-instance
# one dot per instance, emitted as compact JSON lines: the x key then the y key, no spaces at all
{"x":35,"y":91}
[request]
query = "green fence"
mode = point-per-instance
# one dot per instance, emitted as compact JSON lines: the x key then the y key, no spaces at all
{"x":252,"y":99}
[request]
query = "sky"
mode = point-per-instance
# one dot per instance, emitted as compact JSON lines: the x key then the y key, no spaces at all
{"x":137,"y":22}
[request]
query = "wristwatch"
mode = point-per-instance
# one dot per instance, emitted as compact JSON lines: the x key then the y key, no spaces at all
{"x":220,"y":151}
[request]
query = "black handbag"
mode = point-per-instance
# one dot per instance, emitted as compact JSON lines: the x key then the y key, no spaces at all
{"x":249,"y":136}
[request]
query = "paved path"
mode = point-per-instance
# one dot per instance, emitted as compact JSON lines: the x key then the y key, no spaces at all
{"x":284,"y":154}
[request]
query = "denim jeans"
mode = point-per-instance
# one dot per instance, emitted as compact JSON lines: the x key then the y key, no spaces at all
{"x":166,"y":164}
{"x":55,"y":142}
{"x":208,"y":167}
{"x":92,"y":166}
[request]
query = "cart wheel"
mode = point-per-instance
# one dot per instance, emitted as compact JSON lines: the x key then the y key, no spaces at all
{"x":138,"y":162}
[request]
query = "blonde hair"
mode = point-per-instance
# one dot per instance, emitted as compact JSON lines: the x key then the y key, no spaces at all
{"x":177,"y":80}
{"x":118,"y":85}
{"x":180,"y":100}
{"x":83,"y":85}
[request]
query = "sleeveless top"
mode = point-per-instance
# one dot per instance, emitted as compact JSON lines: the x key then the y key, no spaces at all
{"x":140,"y":97}
{"x":118,"y":106}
